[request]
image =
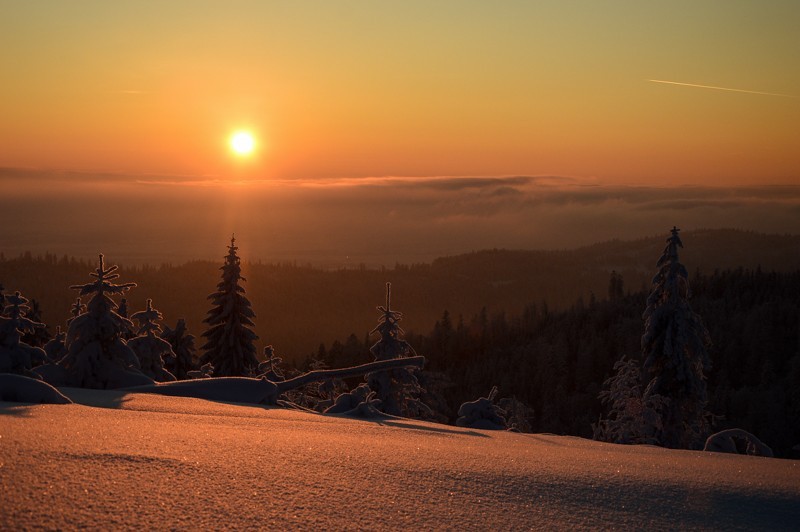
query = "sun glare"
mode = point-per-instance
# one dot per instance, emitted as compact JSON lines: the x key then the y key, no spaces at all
{"x":242,"y":143}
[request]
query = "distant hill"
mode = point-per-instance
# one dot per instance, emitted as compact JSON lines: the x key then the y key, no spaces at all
{"x":297,"y":308}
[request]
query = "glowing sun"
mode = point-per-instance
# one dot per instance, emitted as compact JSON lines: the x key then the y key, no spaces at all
{"x":242,"y":143}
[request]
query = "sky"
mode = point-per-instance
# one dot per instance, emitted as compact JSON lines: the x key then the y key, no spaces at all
{"x":353,"y":105}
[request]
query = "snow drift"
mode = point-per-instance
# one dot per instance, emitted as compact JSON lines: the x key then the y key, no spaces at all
{"x":121,"y":460}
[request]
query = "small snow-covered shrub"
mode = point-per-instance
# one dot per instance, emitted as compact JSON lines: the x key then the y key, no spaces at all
{"x":737,"y":441}
{"x":206,"y":371}
{"x":149,"y":348}
{"x":482,"y":414}
{"x":348,"y":401}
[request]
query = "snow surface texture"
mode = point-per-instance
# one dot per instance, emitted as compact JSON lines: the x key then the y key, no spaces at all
{"x":121,"y":460}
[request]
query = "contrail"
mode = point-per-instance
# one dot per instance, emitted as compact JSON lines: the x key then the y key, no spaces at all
{"x":720,"y":88}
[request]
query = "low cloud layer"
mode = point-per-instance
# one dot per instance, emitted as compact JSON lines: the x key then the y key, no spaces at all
{"x":379,"y":220}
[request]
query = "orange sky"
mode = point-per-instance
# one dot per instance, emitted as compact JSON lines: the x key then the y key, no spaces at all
{"x":351,"y":89}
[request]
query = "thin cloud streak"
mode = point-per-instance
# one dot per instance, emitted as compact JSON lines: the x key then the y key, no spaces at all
{"x":730,"y":89}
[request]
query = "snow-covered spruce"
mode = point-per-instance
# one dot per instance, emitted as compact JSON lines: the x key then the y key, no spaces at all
{"x":56,"y":348}
{"x":675,"y":352}
{"x":122,"y":310}
{"x":150,"y":349}
{"x":39,"y":336}
{"x":230,"y":338}
{"x":76,"y":310}
{"x":398,"y":390}
{"x":15,"y":355}
{"x":632,"y":418}
{"x":97,"y":356}
{"x":271,"y":367}
{"x":183,"y":346}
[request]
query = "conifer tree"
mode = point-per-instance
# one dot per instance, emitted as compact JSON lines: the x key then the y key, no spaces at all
{"x":271,"y":367}
{"x":183,"y":346}
{"x":56,"y":348}
{"x":675,"y":353}
{"x":122,"y":310}
{"x":230,"y":338}
{"x":76,"y":310}
{"x":633,"y":418}
{"x":398,"y":390}
{"x":15,"y":355}
{"x":150,"y":349}
{"x":97,"y":356}
{"x":663,"y":400}
{"x":39,"y":336}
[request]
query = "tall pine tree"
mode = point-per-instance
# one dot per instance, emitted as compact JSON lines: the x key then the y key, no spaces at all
{"x":230,"y":338}
{"x":675,"y":351}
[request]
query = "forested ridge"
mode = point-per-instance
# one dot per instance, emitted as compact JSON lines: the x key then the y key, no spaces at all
{"x":544,"y":326}
{"x":557,"y":361}
{"x":298,"y":307}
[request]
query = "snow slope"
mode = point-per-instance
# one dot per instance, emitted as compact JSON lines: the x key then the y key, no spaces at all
{"x":132,"y":460}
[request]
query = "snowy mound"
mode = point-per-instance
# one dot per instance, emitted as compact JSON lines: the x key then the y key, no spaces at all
{"x":224,"y":389}
{"x":142,"y":461}
{"x":19,"y":389}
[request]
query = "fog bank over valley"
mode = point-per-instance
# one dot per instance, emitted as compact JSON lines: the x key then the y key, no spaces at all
{"x":374,"y":221}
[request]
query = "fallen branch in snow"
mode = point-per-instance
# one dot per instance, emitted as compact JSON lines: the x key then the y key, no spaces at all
{"x":328,"y":374}
{"x":262,"y":390}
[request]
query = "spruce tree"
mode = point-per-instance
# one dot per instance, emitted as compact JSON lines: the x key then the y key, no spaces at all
{"x":675,"y":352}
{"x":183,"y":346}
{"x":271,"y":367}
{"x":56,"y":348}
{"x":76,"y":310}
{"x":632,"y":418}
{"x":122,"y":310}
{"x":150,"y":349}
{"x":230,"y":338}
{"x":397,"y":389}
{"x":97,"y":356}
{"x":15,"y":355}
{"x":39,"y":336}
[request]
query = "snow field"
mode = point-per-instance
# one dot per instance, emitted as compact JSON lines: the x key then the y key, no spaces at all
{"x":133,"y":461}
